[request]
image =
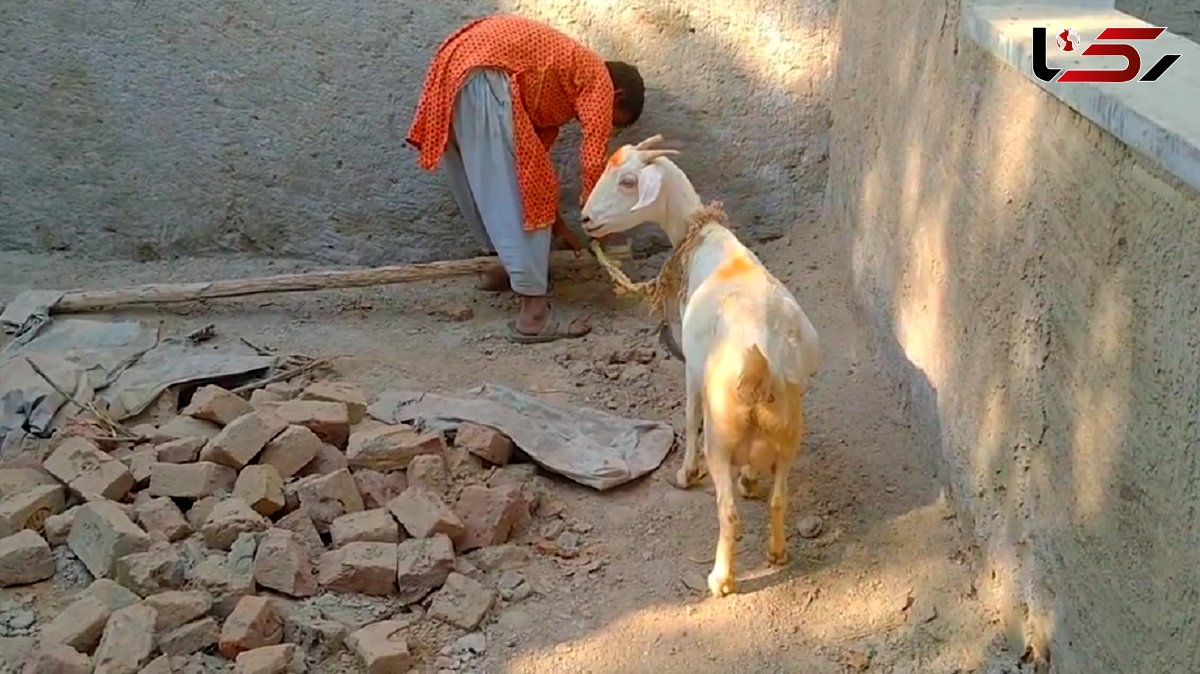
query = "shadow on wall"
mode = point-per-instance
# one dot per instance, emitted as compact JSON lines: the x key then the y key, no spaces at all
{"x":1034,"y":273}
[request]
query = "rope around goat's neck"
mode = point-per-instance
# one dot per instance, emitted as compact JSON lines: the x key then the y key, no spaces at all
{"x":671,"y":280}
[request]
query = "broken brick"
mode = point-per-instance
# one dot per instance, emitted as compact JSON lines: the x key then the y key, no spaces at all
{"x":261,"y":487}
{"x":239,"y":442}
{"x":489,"y":514}
{"x":24,"y":559}
{"x":128,"y":641}
{"x":176,"y":608}
{"x":183,"y":450}
{"x":339,"y":392}
{"x":215,"y":404}
{"x":387,"y":447}
{"x":254,"y":623}
{"x":190,"y":638}
{"x":162,"y":519}
{"x":185,"y":427}
{"x":57,"y":527}
{"x":462,"y":602}
{"x":80,"y":464}
{"x":291,"y":450}
{"x":367,"y":526}
{"x":382,"y":647}
{"x":198,"y":513}
{"x":429,"y":471}
{"x":60,"y":659}
{"x":275,"y":659}
{"x":300,"y":524}
{"x":422,"y":565}
{"x":485,"y":442}
{"x":329,"y":420}
{"x":158,"y":569}
{"x":329,"y":459}
{"x":424,"y":514}
{"x":140,"y":463}
{"x":367,"y":568}
{"x":328,"y":497}
{"x":282,"y":563}
{"x":227,"y":578}
{"x":228,"y":520}
{"x":261,"y":397}
{"x":18,"y":480}
{"x":190,"y":480}
{"x":378,"y":488}
{"x":31,"y":508}
{"x":82,"y":622}
{"x":101,"y":534}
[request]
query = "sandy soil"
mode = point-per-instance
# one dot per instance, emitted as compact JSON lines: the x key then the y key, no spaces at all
{"x":888,"y":586}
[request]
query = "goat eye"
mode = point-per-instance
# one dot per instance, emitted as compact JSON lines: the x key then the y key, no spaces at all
{"x":628,"y":181}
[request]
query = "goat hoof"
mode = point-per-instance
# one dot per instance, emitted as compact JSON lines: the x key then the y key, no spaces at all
{"x":685,"y":479}
{"x":720,"y":586}
{"x":749,"y":488}
{"x":779,"y":558}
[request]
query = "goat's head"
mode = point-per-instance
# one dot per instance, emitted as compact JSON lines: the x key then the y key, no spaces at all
{"x":628,"y":193}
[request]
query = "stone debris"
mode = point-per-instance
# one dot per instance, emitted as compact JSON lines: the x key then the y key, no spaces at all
{"x":367,"y":526}
{"x":228,"y":520}
{"x":423,"y":514}
{"x":215,"y":404}
{"x":339,"y":392}
{"x":485,"y":442}
{"x":224,"y":581}
{"x":282,"y":563}
{"x":190,"y":480}
{"x":128,"y":640}
{"x":238,"y":443}
{"x":254,"y":623}
{"x":328,"y":497}
{"x":422,"y":565}
{"x":382,"y":647}
{"x":261,"y":487}
{"x":366,"y":568}
{"x":275,"y":659}
{"x":156,"y":570}
{"x":329,"y":420}
{"x":378,"y":488}
{"x":462,"y":602}
{"x":176,"y":608}
{"x":25,"y":558}
{"x":101,"y":534}
{"x":80,"y":464}
{"x":386,"y":447}
{"x":291,"y":450}
{"x":29,"y":509}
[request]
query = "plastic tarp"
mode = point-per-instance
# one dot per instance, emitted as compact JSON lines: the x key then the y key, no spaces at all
{"x":588,"y":446}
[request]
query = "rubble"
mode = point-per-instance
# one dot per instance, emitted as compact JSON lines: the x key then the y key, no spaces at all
{"x":128,"y":641}
{"x":462,"y":602}
{"x":185,"y":427}
{"x":382,"y":647}
{"x":215,"y":404}
{"x":329,"y":420}
{"x":228,"y":520}
{"x":176,"y":608}
{"x":328,"y":497}
{"x":423,"y":514}
{"x":183,"y":450}
{"x":79,"y":463}
{"x":190,"y":480}
{"x":422,"y":565}
{"x":61,"y":660}
{"x":189,"y":638}
{"x":275,"y":659}
{"x":24,"y":559}
{"x":339,"y":392}
{"x":101,"y":534}
{"x":162,"y":519}
{"x":239,"y":442}
{"x":262,"y":488}
{"x":366,"y":568}
{"x":291,"y":450}
{"x":485,"y":442}
{"x":254,"y":623}
{"x":282,"y":563}
{"x":429,"y":472}
{"x":29,"y":509}
{"x":386,"y":447}
{"x":367,"y":526}
{"x":378,"y":488}
{"x":81,"y":624}
{"x":329,"y":459}
{"x":158,"y":569}
{"x":489,"y":514}
{"x":300,"y":524}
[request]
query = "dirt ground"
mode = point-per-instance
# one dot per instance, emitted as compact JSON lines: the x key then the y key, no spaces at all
{"x":887,"y":587}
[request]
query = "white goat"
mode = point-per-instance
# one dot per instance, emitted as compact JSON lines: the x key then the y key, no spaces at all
{"x":750,"y":351}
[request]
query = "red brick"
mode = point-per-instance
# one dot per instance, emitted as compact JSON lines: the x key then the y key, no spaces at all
{"x":254,"y":623}
{"x":485,"y":442}
{"x":215,"y":404}
{"x":489,"y":514}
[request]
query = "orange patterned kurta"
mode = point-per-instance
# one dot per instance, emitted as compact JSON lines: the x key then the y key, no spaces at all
{"x":554,"y":79}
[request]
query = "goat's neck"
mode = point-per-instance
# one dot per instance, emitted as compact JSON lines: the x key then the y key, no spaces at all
{"x":681,"y":206}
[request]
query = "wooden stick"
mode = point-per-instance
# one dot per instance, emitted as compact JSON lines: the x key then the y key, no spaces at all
{"x":154,"y":293}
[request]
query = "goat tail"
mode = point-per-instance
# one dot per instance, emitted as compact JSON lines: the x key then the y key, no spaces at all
{"x":757,"y":391}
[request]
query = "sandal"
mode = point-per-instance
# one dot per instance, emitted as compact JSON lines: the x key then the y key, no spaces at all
{"x":554,"y":329}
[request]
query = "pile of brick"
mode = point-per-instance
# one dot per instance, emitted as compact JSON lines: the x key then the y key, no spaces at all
{"x":197,"y":539}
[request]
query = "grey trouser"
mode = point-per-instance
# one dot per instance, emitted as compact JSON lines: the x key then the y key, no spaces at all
{"x":480,"y":162}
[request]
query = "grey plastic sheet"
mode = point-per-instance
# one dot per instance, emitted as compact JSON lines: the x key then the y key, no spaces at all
{"x":589,"y":446}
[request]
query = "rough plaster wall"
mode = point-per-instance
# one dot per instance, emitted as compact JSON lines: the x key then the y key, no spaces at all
{"x":1034,"y":282}
{"x":133,"y":129}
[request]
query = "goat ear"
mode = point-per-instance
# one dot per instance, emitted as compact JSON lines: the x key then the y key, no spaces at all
{"x":649,"y":184}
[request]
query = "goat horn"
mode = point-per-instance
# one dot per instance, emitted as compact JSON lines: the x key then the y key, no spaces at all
{"x":646,"y":144}
{"x":650,"y":155}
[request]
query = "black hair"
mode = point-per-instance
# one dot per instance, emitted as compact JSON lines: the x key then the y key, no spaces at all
{"x":628,"y":81}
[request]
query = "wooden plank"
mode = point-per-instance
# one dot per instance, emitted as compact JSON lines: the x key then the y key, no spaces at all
{"x":77,"y":301}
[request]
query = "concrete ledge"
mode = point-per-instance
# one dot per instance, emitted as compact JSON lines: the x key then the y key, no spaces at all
{"x":1161,"y":119}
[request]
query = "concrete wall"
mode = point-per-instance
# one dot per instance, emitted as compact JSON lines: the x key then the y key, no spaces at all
{"x":142,"y":130}
{"x":1034,"y":284}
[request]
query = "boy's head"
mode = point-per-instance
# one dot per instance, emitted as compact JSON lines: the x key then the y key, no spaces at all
{"x":629,"y":93}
